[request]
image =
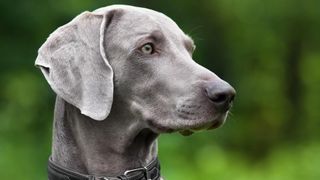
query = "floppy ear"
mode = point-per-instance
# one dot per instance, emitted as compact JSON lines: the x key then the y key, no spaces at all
{"x":74,"y":63}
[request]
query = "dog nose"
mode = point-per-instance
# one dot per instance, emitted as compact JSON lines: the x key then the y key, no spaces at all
{"x":221,"y":94}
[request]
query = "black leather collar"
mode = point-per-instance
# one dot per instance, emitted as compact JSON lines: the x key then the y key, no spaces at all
{"x":149,"y":172}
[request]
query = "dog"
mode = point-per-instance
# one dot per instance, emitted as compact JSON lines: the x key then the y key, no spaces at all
{"x":123,"y":75}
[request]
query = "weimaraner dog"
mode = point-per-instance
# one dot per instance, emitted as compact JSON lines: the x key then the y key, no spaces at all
{"x":123,"y":75}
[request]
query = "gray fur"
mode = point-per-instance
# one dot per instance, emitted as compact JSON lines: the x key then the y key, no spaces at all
{"x":112,"y":100}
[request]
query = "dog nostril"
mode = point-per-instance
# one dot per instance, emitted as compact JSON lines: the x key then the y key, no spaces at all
{"x":219,"y":98}
{"x":222,"y":98}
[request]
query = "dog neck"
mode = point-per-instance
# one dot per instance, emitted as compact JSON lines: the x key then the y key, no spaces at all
{"x":107,"y":147}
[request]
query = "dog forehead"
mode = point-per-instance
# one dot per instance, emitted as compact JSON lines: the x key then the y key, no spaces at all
{"x":141,"y":20}
{"x":134,"y":11}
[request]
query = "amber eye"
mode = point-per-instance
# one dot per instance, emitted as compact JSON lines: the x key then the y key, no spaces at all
{"x":147,"y":48}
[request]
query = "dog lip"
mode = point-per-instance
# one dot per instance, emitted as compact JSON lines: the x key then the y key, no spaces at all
{"x":215,"y":124}
{"x":186,"y":132}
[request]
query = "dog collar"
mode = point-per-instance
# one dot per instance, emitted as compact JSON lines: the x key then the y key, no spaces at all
{"x":149,"y":172}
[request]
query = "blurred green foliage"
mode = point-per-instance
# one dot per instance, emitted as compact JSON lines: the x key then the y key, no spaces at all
{"x":268,"y":50}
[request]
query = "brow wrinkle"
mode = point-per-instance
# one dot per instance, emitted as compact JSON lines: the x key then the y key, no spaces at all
{"x":156,"y":35}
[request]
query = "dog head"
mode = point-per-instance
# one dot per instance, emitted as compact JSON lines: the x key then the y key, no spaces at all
{"x":141,"y":57}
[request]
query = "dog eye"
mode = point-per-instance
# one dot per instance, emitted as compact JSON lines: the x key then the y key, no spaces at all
{"x":147,"y":48}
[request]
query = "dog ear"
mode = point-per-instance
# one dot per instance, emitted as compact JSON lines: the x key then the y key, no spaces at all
{"x":73,"y":61}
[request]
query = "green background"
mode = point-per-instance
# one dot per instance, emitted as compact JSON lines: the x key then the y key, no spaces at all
{"x":268,"y":50}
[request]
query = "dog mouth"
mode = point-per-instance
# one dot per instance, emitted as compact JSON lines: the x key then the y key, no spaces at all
{"x":199,"y":118}
{"x":214,"y":125}
{"x":189,"y":120}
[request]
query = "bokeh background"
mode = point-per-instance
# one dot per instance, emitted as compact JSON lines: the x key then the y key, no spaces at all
{"x":268,"y":50}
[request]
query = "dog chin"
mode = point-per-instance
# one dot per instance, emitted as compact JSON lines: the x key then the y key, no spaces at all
{"x":214,"y":125}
